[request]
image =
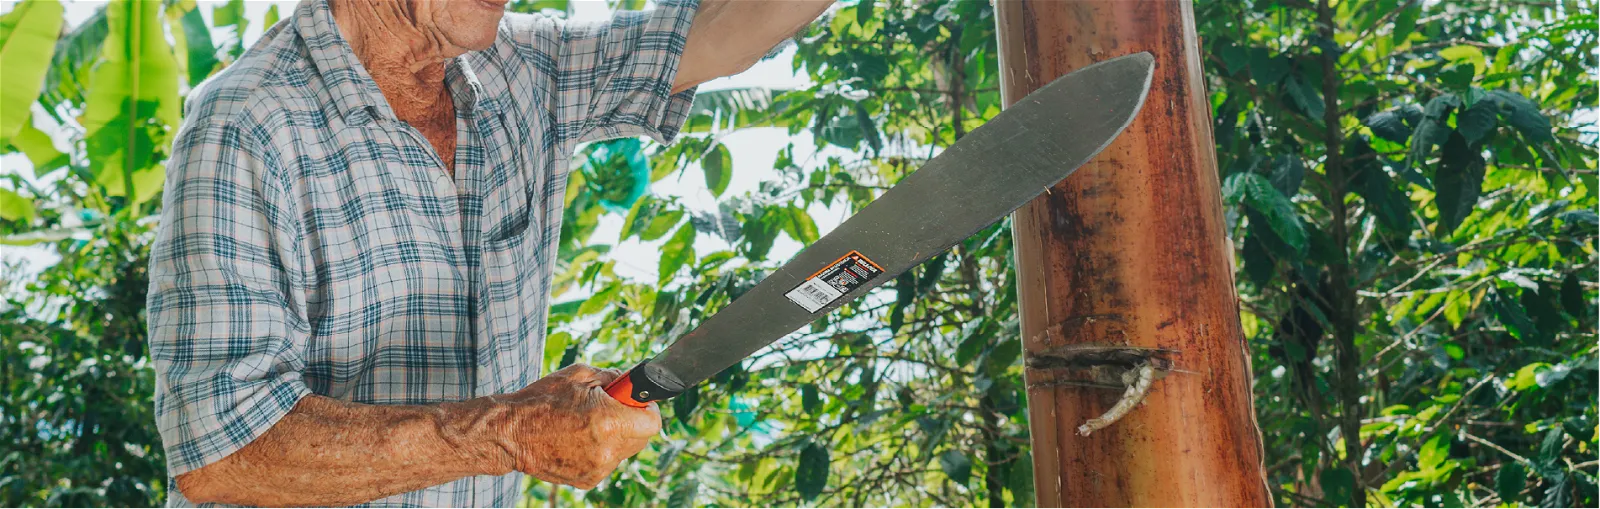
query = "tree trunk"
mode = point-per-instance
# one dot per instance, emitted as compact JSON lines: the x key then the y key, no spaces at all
{"x":1127,"y":265}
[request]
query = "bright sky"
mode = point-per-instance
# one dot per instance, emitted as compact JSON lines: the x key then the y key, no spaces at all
{"x":753,"y":151}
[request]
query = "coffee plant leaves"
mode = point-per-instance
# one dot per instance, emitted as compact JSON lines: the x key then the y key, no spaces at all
{"x":811,"y":476}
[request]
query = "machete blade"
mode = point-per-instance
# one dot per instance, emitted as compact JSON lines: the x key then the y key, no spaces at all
{"x":989,"y":173}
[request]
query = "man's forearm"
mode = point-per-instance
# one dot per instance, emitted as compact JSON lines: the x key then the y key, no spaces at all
{"x":728,"y":36}
{"x":326,"y":452}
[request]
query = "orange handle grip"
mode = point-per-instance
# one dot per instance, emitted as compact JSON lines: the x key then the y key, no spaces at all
{"x":621,"y":390}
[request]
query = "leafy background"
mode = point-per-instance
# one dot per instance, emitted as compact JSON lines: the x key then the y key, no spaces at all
{"x":1410,"y":187}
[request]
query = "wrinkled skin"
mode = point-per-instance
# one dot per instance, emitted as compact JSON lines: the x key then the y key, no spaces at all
{"x":405,"y":46}
{"x":562,"y":428}
{"x":565,"y":429}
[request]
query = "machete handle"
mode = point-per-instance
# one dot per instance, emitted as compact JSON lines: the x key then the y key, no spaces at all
{"x":636,"y":389}
{"x":621,"y":390}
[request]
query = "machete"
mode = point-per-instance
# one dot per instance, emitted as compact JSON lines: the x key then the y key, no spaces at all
{"x":989,"y":173}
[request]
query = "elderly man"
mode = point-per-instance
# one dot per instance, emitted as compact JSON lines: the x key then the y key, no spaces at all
{"x":348,"y":287}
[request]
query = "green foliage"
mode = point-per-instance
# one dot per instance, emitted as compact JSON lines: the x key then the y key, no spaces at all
{"x":75,"y":382}
{"x":132,"y":103}
{"x":28,"y":31}
{"x":1417,"y":283}
{"x":1444,"y":214}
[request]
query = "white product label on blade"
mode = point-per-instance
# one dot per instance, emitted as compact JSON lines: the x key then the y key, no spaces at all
{"x":813,"y":294}
{"x":849,"y":272}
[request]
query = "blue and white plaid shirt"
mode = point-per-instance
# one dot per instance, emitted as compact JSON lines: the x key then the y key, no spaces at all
{"x":312,"y":243}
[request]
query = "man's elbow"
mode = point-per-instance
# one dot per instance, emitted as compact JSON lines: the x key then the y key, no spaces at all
{"x":702,"y":65}
{"x":196,"y":486}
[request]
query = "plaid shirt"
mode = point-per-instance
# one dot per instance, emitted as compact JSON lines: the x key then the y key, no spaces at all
{"x":312,"y":243}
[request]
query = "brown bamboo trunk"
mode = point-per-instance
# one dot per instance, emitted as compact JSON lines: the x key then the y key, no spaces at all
{"x":1126,"y":264}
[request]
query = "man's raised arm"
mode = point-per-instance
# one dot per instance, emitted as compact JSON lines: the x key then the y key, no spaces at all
{"x":729,"y":36}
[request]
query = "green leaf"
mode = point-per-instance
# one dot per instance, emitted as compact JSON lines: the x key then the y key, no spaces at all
{"x":537,"y":6}
{"x":1541,"y":305}
{"x":1510,"y":481}
{"x":661,"y":224}
{"x":131,"y":140}
{"x":1020,"y":482}
{"x":1579,"y":218}
{"x":1431,"y":130}
{"x":738,"y":108}
{"x":718,"y":166}
{"x":845,"y":131}
{"x":1258,"y":264}
{"x":956,"y":465}
{"x":678,"y":251}
{"x":133,"y":104}
{"x":1516,"y":320}
{"x":1457,"y":78}
{"x":1523,"y":115}
{"x":1257,"y":193}
{"x":271,"y":18}
{"x":683,"y":493}
{"x":905,"y":290}
{"x":684,"y":404}
{"x":809,"y":400}
{"x":869,"y":128}
{"x":230,"y":14}
{"x":1234,"y":57}
{"x":1389,"y":125}
{"x":641,"y":212}
{"x":599,"y":300}
{"x":1308,"y":97}
{"x":1477,"y":121}
{"x":1527,"y":377}
{"x":1003,"y":355}
{"x":1591,"y":183}
{"x":804,"y":229}
{"x":864,"y":11}
{"x":1434,"y":452}
{"x":27,"y":42}
{"x":1288,"y":171}
{"x":1550,"y":448}
{"x":973,"y":343}
{"x":76,"y":54}
{"x":1458,"y":182}
{"x":1267,"y":68}
{"x":1465,"y":54}
{"x":1338,"y":486}
{"x":13,"y":207}
{"x":1390,"y":204}
{"x":202,"y":52}
{"x":1558,"y":492}
{"x":41,"y":151}
{"x":812,"y":474}
{"x":1572,"y":296}
{"x":1405,"y":23}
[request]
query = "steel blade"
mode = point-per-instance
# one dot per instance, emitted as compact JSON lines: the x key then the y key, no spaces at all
{"x":989,"y":173}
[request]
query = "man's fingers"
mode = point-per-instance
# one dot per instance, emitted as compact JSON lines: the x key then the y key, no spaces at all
{"x":606,"y":376}
{"x":642,"y":422}
{"x":589,"y":483}
{"x":578,"y":373}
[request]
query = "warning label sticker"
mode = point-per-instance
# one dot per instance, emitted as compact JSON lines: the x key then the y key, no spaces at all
{"x":849,"y":272}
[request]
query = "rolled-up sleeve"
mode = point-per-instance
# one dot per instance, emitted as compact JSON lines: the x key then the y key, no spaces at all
{"x":224,"y":328}
{"x":611,"y":79}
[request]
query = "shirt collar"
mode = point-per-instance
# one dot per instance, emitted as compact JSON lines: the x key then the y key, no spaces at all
{"x":356,"y":96}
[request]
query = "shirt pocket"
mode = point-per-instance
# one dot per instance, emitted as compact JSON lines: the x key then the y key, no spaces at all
{"x":513,"y":297}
